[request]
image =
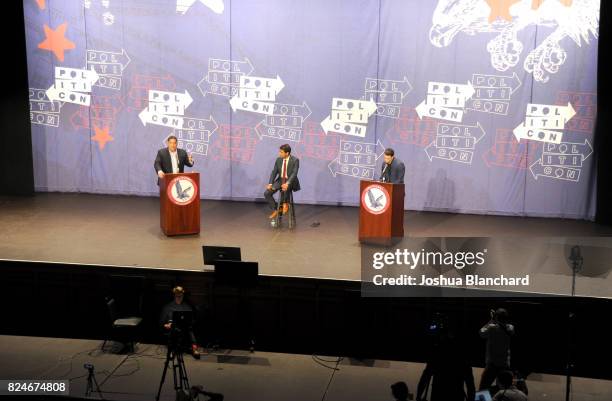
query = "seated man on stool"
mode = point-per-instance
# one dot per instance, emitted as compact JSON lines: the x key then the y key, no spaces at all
{"x":283,"y":177}
{"x":177,"y":305}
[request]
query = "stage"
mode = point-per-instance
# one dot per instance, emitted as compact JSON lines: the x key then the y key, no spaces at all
{"x":124,"y":231}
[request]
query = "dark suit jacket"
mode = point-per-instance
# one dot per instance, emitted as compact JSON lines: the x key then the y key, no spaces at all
{"x":293,"y":165}
{"x":164,"y":163}
{"x":396,"y":175}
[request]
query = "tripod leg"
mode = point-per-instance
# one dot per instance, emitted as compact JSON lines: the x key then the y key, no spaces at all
{"x":175,"y":366}
{"x":161,"y":383}
{"x":184,"y":380}
{"x":89,"y":387}
{"x":97,"y":387}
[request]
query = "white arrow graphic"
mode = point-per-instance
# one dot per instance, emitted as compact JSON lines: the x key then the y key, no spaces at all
{"x":67,"y":96}
{"x":388,"y":85}
{"x":261,"y":83}
{"x":550,"y":110}
{"x":76,"y":74}
{"x":475,"y":131}
{"x":106,"y":57}
{"x":254,"y":106}
{"x":369,"y":106}
{"x":444,"y":88}
{"x":160,"y":119}
{"x":556,"y":172}
{"x":541,"y":135}
{"x":497,"y":81}
{"x":173,"y":98}
{"x":342,"y":127}
{"x":439,"y":112}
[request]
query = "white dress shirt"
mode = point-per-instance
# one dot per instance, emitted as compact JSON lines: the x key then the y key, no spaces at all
{"x":175,"y":162}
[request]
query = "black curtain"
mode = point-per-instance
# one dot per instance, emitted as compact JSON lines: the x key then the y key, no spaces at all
{"x":16,"y":171}
{"x":603,"y":127}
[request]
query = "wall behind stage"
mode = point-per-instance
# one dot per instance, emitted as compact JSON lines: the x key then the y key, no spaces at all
{"x":491,"y":105}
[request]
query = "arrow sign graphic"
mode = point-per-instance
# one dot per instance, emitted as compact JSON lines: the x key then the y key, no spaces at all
{"x":245,"y":67}
{"x":369,"y":106}
{"x":200,"y":124}
{"x":475,"y":131}
{"x":281,"y":109}
{"x":76,"y":74}
{"x":56,"y":94}
{"x":549,"y":110}
{"x":439,"y":112}
{"x":456,"y":155}
{"x":170,"y":98}
{"x":497,"y":81}
{"x":251,"y":105}
{"x":556,"y":172}
{"x":148,"y":117}
{"x":443,"y":88}
{"x":263,"y":84}
{"x":341,"y":127}
{"x":541,"y":135}
{"x":388,"y":85}
{"x":584,"y":149}
{"x":106,"y":57}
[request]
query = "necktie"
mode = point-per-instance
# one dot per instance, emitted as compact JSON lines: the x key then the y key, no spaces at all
{"x":284,"y":174}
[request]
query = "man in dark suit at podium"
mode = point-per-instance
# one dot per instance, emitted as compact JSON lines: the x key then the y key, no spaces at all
{"x":171,"y":160}
{"x":393,"y":169}
{"x":283,"y":177}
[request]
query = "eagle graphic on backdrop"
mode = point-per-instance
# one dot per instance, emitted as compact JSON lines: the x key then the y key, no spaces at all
{"x":576,"y":19}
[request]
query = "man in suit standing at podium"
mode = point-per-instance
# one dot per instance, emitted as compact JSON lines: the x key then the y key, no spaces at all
{"x":283,"y":177}
{"x":171,"y":160}
{"x":393,"y":169}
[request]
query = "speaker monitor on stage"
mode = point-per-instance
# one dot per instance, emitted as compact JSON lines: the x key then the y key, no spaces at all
{"x":236,"y":273}
{"x":214,"y":253}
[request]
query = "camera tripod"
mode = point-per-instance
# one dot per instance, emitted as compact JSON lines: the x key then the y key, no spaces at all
{"x":91,"y":380}
{"x":174,"y":355}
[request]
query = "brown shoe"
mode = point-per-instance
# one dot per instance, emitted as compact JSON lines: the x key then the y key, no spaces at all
{"x":285,"y":208}
{"x":273,"y":215}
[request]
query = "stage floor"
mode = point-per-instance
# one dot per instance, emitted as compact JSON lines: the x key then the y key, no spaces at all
{"x":124,"y":231}
{"x":240,"y":375}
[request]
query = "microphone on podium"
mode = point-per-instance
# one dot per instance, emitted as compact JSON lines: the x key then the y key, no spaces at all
{"x":382,"y":175}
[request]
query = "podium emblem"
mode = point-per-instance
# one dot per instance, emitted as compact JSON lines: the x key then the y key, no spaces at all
{"x":375,"y":199}
{"x":182,"y":190}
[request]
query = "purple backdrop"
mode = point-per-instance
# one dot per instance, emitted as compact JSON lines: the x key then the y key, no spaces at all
{"x":491,"y":108}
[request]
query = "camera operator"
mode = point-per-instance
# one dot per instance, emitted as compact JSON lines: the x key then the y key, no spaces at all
{"x":498,"y":333}
{"x":447,"y":369}
{"x":178,"y":305}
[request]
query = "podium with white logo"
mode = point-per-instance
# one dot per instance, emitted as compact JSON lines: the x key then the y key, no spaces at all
{"x":381,"y":212}
{"x":179,"y":200}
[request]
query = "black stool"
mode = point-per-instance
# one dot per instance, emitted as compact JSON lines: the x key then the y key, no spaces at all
{"x":279,"y":217}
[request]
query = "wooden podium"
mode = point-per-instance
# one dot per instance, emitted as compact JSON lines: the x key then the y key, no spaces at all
{"x":381,"y":212}
{"x":179,"y":203}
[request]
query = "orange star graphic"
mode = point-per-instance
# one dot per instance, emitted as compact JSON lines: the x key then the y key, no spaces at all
{"x":535,"y":4}
{"x":102,"y":136}
{"x":56,"y":42}
{"x":500,"y":9}
{"x":41,"y":4}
